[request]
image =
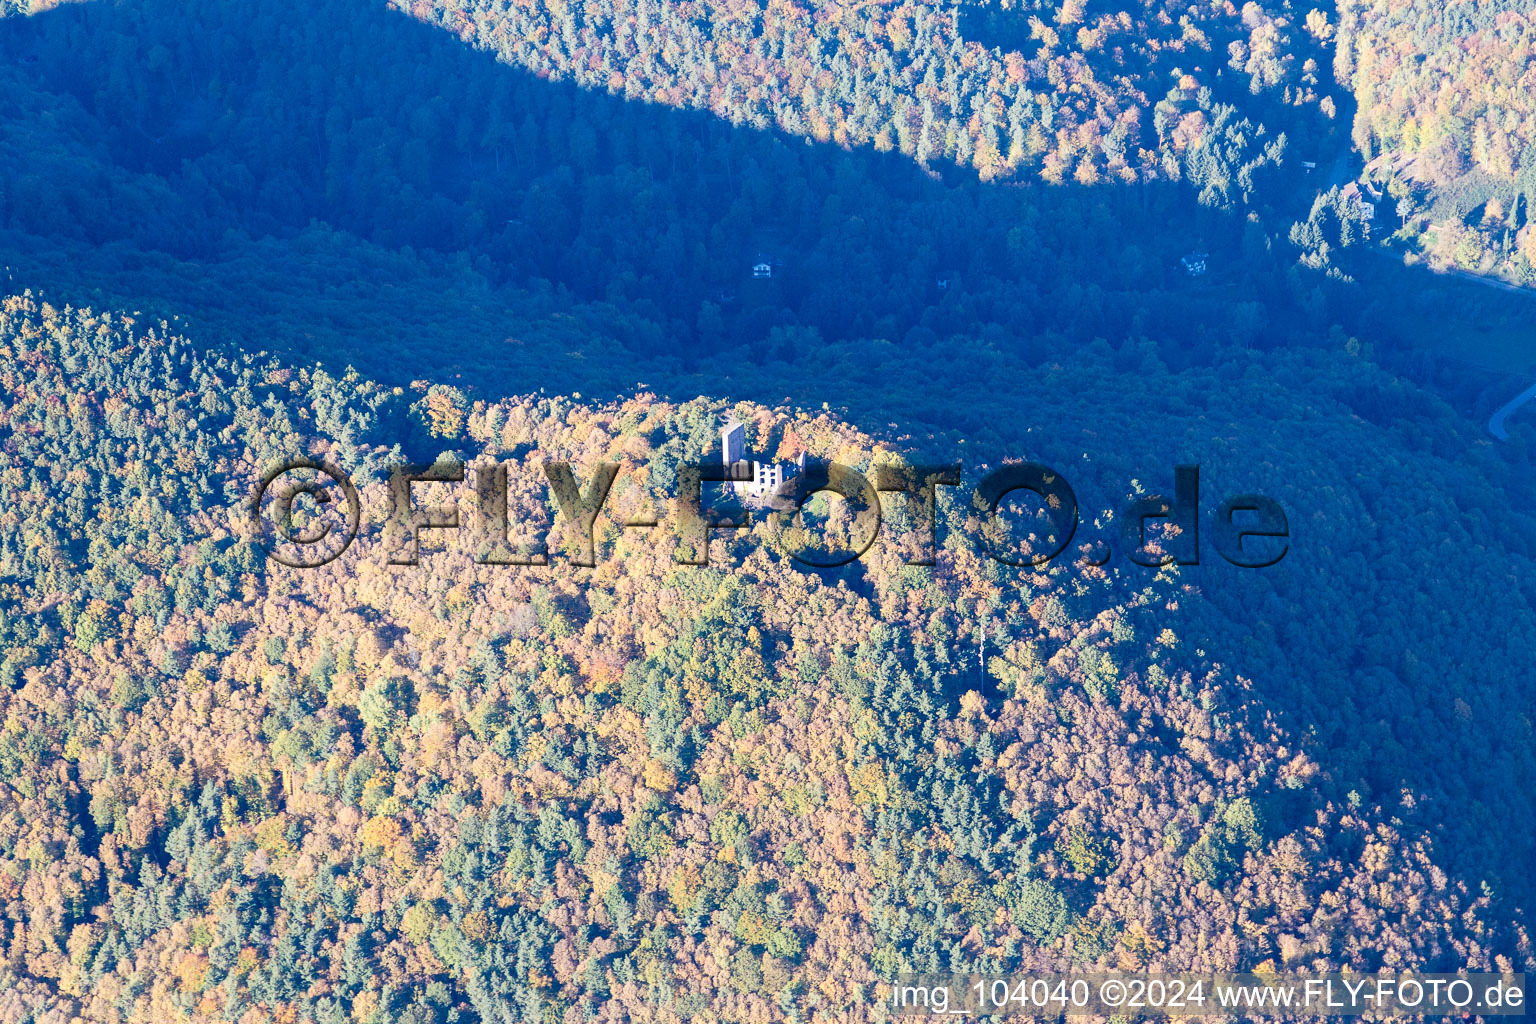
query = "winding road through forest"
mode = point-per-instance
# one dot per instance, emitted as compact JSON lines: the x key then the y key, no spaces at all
{"x":1496,"y":421}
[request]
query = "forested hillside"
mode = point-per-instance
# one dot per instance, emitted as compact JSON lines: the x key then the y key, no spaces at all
{"x":165,"y":136}
{"x":375,"y":178}
{"x":524,"y":231}
{"x":455,"y":791}
{"x":1446,"y":118}
{"x":1447,"y":83}
{"x":1009,"y":90}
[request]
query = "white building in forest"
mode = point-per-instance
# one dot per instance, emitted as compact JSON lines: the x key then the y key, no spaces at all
{"x":1364,"y":200}
{"x":765,"y":477}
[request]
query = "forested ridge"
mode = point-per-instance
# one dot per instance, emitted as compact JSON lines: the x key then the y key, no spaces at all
{"x":752,"y":791}
{"x":454,"y":791}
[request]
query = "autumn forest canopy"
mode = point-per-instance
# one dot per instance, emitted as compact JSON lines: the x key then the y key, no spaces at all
{"x":1109,"y":237}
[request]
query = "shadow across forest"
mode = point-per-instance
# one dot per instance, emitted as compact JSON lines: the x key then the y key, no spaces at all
{"x":219,"y":124}
{"x":358,"y":188}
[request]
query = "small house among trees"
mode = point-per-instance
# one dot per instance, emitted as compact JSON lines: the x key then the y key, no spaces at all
{"x":1364,"y":207}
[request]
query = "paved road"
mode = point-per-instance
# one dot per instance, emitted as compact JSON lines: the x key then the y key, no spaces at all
{"x":1339,"y":174}
{"x":1496,"y":422}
